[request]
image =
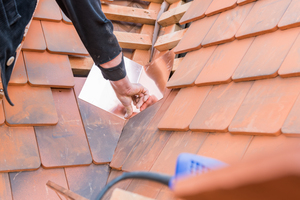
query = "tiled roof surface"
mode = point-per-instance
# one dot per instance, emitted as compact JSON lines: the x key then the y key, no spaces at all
{"x":235,"y":95}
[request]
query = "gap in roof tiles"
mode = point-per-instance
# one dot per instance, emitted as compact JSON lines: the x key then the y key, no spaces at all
{"x":219,"y":107}
{"x":291,"y":17}
{"x":291,"y":126}
{"x":47,"y":10}
{"x":190,"y":68}
{"x":35,"y":40}
{"x":223,"y":63}
{"x":183,"y":108}
{"x":196,"y":11}
{"x":18,"y":149}
{"x":218,"y":6}
{"x":226,"y":26}
{"x":34,"y":106}
{"x":265,"y":55}
{"x":19,"y":75}
{"x":266,"y":107}
{"x":194,"y":36}
{"x":32,"y":185}
{"x":45,"y":69}
{"x":64,"y":144}
{"x":5,"y":189}
{"x":263,"y":18}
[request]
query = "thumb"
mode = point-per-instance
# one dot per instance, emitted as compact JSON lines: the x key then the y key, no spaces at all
{"x":129,"y":111}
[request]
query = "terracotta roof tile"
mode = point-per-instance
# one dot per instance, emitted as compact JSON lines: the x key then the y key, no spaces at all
{"x":291,"y":16}
{"x":190,"y":68}
{"x":119,"y":194}
{"x":225,"y":147}
{"x":166,"y":193}
{"x":268,"y":145}
{"x":196,"y":11}
{"x":87,"y":181}
{"x":266,"y":107}
{"x":18,"y":75}
{"x":179,"y":142}
{"x":290,"y":65}
{"x":265,"y":55}
{"x":218,"y":6}
{"x":2,"y":116}
{"x":183,"y":109}
{"x":65,"y":18}
{"x":219,"y":107}
{"x":64,"y":144}
{"x":134,"y":129}
{"x":224,"y":61}
{"x":34,"y":106}
{"x":226,"y":26}
{"x":32,"y":185}
{"x":66,"y":42}
{"x":291,"y":126}
{"x":35,"y":40}
{"x":243,"y":2}
{"x":19,"y":149}
{"x":263,"y":18}
{"x":194,"y":36}
{"x":48,"y":10}
{"x":103,"y":129}
{"x":5,"y":190}
{"x":45,"y":69}
{"x":146,"y":188}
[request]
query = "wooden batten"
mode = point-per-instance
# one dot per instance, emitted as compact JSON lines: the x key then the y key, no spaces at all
{"x":169,"y":41}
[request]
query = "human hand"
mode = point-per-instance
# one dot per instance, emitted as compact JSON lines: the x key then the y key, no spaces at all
{"x":128,"y":92}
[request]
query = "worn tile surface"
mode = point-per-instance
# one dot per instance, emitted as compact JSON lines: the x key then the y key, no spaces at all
{"x":190,"y":67}
{"x":218,"y":6}
{"x":35,"y":40}
{"x":48,"y":10}
{"x":5,"y":189}
{"x":32,"y":185}
{"x":196,"y":11}
{"x":193,"y":37}
{"x":266,"y":107}
{"x":263,"y":18}
{"x":291,"y":17}
{"x":33,"y":106}
{"x":265,"y":55}
{"x":226,"y":26}
{"x":45,"y":69}
{"x":67,"y":42}
{"x":183,"y":108}
{"x":64,"y":144}
{"x":102,"y":128}
{"x":291,"y":125}
{"x":225,"y":147}
{"x":220,"y":106}
{"x":223,"y":62}
{"x":87,"y":181}
{"x":18,"y":76}
{"x":18,"y":149}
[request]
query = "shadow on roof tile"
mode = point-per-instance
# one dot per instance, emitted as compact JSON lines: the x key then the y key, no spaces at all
{"x":291,"y":17}
{"x":103,"y":129}
{"x":190,"y":68}
{"x":218,"y":6}
{"x":196,"y":11}
{"x":263,"y":18}
{"x":65,"y":18}
{"x":266,"y":107}
{"x":48,"y":10}
{"x":34,"y":106}
{"x":66,"y":42}
{"x":194,"y":36}
{"x":291,"y":126}
{"x":35,"y":40}
{"x":225,"y":147}
{"x":188,"y":142}
{"x":19,"y":149}
{"x":87,"y":181}
{"x":32,"y":185}
{"x":18,"y":75}
{"x":265,"y":55}
{"x":290,"y":66}
{"x":223,"y":62}
{"x":226,"y":26}
{"x":45,"y":69}
{"x":5,"y":190}
{"x":64,"y":144}
{"x":183,"y":109}
{"x":219,"y":107}
{"x":243,"y":2}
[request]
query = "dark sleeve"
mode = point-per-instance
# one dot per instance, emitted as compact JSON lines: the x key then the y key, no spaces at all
{"x":94,"y":29}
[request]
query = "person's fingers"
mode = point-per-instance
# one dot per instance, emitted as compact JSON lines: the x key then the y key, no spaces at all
{"x":151,"y":100}
{"x":129,"y":111}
